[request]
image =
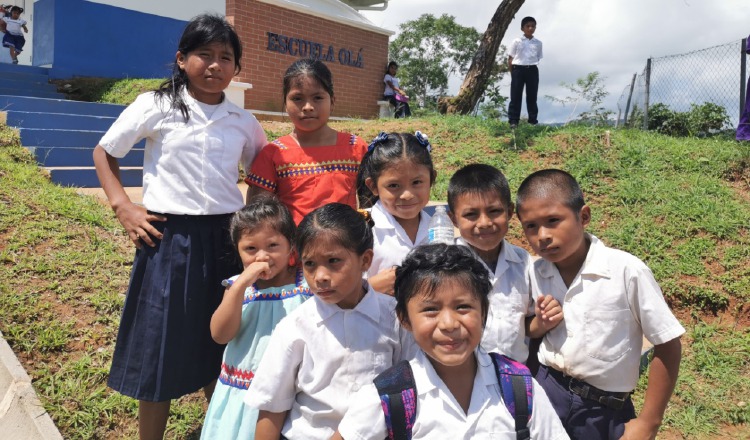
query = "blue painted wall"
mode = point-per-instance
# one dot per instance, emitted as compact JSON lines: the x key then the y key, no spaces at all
{"x":81,"y":38}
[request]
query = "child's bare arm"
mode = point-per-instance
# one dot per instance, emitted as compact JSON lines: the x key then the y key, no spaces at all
{"x":662,"y":377}
{"x":336,"y":436}
{"x":269,"y":425}
{"x":227,"y":319}
{"x":510,"y":64}
{"x":548,"y":315}
{"x":135,"y":219}
{"x":383,"y":281}
{"x":25,"y":29}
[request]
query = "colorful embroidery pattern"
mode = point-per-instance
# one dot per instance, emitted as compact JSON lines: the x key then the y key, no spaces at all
{"x":252,"y":294}
{"x":235,"y":377}
{"x":306,"y":169}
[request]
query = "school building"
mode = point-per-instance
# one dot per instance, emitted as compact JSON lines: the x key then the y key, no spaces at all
{"x":138,"y":39}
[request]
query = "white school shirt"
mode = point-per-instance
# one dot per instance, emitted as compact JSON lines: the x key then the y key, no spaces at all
{"x":14,"y":27}
{"x":610,"y":305}
{"x":391,"y":241}
{"x":320,"y":355}
{"x":188,"y":168}
{"x":440,"y":416}
{"x":525,"y":51}
{"x":511,"y":302}
{"x":388,"y":89}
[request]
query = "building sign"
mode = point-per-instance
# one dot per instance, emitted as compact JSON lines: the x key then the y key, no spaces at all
{"x":310,"y":49}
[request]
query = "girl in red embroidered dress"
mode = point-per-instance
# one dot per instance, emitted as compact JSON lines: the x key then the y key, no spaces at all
{"x":315,"y":164}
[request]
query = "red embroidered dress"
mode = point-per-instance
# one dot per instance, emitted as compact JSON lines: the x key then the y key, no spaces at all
{"x":307,"y":178}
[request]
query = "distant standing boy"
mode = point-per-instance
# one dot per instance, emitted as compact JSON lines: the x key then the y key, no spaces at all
{"x":14,"y":39}
{"x":610,"y":299}
{"x":524,"y":55}
{"x":481,"y":209}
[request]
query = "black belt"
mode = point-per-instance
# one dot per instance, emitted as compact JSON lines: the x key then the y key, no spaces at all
{"x":610,"y":400}
{"x":524,"y":66}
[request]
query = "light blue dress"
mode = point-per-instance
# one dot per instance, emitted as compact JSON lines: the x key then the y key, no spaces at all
{"x":228,"y":417}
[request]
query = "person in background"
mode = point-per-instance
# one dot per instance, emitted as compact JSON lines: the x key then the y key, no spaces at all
{"x":14,"y":39}
{"x":524,"y":55}
{"x":394,"y":94}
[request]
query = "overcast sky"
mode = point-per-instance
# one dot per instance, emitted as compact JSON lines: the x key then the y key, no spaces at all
{"x":614,"y":37}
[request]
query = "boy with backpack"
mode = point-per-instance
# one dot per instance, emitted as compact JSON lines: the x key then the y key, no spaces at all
{"x":452,"y":389}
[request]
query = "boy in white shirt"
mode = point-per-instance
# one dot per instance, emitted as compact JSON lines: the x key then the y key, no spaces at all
{"x":14,"y":39}
{"x":481,"y":209}
{"x":524,"y":55}
{"x":590,"y":362}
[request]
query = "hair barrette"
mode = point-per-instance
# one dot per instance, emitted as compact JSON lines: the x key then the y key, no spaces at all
{"x":381,"y":137}
{"x":423,"y":141}
{"x":365,"y":214}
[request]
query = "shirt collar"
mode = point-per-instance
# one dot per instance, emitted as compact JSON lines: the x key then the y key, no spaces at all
{"x":368,"y":307}
{"x":507,"y":255}
{"x":384,"y":220}
{"x":426,"y":378}
{"x":224,"y":108}
{"x":595,"y":263}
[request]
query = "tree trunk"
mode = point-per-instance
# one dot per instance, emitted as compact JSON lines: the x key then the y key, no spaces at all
{"x":476,"y":78}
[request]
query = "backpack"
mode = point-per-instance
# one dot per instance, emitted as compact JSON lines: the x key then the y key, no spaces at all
{"x":398,"y":396}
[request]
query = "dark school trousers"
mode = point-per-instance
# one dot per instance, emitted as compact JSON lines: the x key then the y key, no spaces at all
{"x":520,"y":77}
{"x":584,"y":419}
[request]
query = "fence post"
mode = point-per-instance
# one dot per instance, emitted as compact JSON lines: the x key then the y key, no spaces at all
{"x":646,"y":95}
{"x":743,"y":75}
{"x":630,"y":96}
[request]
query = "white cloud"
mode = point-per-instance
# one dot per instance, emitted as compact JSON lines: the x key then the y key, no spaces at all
{"x":615,"y":37}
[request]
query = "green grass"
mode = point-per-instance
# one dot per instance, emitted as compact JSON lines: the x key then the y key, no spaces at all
{"x":682,"y":205}
{"x":113,"y":91}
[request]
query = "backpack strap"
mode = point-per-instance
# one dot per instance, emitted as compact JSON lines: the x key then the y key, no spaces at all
{"x":516,"y":387}
{"x":398,"y":393}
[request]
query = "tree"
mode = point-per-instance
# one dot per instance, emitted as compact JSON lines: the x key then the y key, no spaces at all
{"x":587,"y":89}
{"x":484,"y":62}
{"x":429,"y":50}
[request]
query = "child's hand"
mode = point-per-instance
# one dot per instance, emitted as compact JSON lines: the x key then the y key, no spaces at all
{"x":259,"y":270}
{"x":137,"y":222}
{"x":637,"y":429}
{"x":549,"y":310}
{"x":384,"y":281}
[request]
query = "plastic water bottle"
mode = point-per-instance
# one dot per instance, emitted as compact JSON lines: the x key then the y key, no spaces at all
{"x":441,"y":227}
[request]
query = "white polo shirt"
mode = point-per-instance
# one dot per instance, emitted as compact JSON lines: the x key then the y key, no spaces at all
{"x":320,"y":355}
{"x":611,"y":304}
{"x":511,"y":302}
{"x":525,"y":51}
{"x":188,"y":168}
{"x":391,"y":241}
{"x":439,"y":416}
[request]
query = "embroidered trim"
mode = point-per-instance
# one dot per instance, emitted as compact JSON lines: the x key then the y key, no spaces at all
{"x":235,"y":377}
{"x":291,"y":170}
{"x":256,"y":180}
{"x":252,"y":294}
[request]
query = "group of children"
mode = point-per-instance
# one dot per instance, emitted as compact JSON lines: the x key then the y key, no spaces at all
{"x":319,"y":302}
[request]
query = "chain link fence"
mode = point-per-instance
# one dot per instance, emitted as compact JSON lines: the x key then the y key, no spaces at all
{"x":714,"y":75}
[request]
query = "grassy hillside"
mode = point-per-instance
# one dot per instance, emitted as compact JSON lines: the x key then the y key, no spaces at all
{"x":682,"y":205}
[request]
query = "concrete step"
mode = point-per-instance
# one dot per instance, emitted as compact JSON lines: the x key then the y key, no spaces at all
{"x":80,"y":157}
{"x":24,"y":77}
{"x":85,"y":177}
{"x":57,"y":121}
{"x":22,"y":69}
{"x":46,"y":105}
{"x":42,"y":137}
{"x":22,"y":82}
{"x":38,"y":93}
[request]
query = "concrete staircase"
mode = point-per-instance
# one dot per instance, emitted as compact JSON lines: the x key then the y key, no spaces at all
{"x":60,"y":133}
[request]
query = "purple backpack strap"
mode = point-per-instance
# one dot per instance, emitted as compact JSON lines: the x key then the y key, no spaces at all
{"x":516,"y":387}
{"x":398,"y":397}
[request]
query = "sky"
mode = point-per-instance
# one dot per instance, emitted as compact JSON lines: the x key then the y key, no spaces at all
{"x":613,"y":37}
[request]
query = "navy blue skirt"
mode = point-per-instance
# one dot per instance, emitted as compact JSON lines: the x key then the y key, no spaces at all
{"x":164,"y":348}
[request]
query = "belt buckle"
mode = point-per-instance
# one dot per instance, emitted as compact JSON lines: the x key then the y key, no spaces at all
{"x":612,"y":402}
{"x":581,"y":390}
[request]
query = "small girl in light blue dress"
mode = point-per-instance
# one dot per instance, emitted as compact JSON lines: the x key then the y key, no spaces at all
{"x":268,"y":289}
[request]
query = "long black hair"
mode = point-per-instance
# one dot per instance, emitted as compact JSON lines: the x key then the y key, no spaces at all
{"x":200,"y":31}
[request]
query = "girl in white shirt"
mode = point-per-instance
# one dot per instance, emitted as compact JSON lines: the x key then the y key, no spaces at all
{"x":442,"y":298}
{"x":333,"y":344}
{"x":194,"y":140}
{"x":394,"y":179}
